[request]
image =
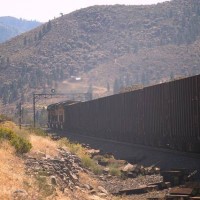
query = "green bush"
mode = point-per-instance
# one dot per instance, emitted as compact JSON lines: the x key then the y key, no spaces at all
{"x":97,"y":169}
{"x":21,"y":145}
{"x":114,"y":169}
{"x":87,"y":161}
{"x":74,"y":148}
{"x":91,"y":164}
{"x":7,"y":134}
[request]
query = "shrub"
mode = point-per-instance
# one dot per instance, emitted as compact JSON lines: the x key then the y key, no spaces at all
{"x":91,"y":164}
{"x":74,"y":148}
{"x":114,"y":170}
{"x":87,"y":161}
{"x":21,"y":145}
{"x":97,"y":169}
{"x":6,"y":134}
{"x":44,"y":188}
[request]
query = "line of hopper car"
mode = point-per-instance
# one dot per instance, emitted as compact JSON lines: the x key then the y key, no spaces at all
{"x":166,"y":115}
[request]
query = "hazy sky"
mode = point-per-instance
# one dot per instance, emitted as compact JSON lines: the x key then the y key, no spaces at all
{"x":43,"y":10}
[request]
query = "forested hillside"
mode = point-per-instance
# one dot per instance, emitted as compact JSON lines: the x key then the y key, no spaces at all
{"x":11,"y":27}
{"x":109,"y":46}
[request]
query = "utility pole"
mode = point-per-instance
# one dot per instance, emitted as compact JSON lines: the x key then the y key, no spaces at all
{"x":20,"y":114}
{"x":34,"y":110}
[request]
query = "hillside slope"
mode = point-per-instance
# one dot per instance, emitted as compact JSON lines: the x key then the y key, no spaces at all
{"x":135,"y":44}
{"x":11,"y":27}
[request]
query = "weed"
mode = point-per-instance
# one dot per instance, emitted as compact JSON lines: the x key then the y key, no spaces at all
{"x":74,"y":148}
{"x":64,"y":142}
{"x":87,"y":161}
{"x":45,"y":188}
{"x":43,"y":173}
{"x":114,"y":170}
{"x":96,"y":169}
{"x":21,"y":145}
{"x":91,"y":164}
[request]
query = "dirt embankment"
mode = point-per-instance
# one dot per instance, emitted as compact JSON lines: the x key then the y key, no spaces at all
{"x":62,"y":170}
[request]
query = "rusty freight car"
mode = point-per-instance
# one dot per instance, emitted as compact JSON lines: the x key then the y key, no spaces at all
{"x":166,"y":115}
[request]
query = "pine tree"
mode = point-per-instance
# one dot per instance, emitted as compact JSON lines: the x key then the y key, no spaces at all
{"x":25,"y":41}
{"x":108,"y":86}
{"x":49,"y":25}
{"x":40,"y":35}
{"x":116,"y":86}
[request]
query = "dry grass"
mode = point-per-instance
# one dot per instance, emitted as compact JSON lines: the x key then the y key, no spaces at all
{"x":44,"y":145}
{"x":13,"y":176}
{"x":9,"y":124}
{"x":86,"y":179}
{"x":12,"y":173}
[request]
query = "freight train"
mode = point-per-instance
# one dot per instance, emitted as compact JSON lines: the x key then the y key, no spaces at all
{"x":166,"y":115}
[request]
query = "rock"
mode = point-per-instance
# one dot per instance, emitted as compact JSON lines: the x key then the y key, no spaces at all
{"x":20,"y":193}
{"x":66,"y":190}
{"x":101,"y":194}
{"x":93,"y":152}
{"x":77,"y":187}
{"x":73,"y":176}
{"x":149,"y":170}
{"x":140,"y":190}
{"x":103,"y":190}
{"x":132,"y":174}
{"x":63,"y":168}
{"x":151,"y":188}
{"x":142,"y":170}
{"x":53,"y":180}
{"x":128,"y":168}
{"x":157,"y":170}
{"x":41,"y":154}
{"x":136,"y":168}
{"x":102,"y":177}
{"x":106,"y":170}
{"x":93,"y":192}
{"x":35,"y":163}
{"x":87,"y":186}
{"x":55,"y":137}
{"x":103,"y":162}
{"x":109,"y":176}
{"x":94,"y":197}
{"x":29,"y":158}
{"x":108,"y":155}
{"x":167,"y":184}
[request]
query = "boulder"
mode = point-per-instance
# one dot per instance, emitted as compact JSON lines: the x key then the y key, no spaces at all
{"x":103,"y":190}
{"x":53,"y":180}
